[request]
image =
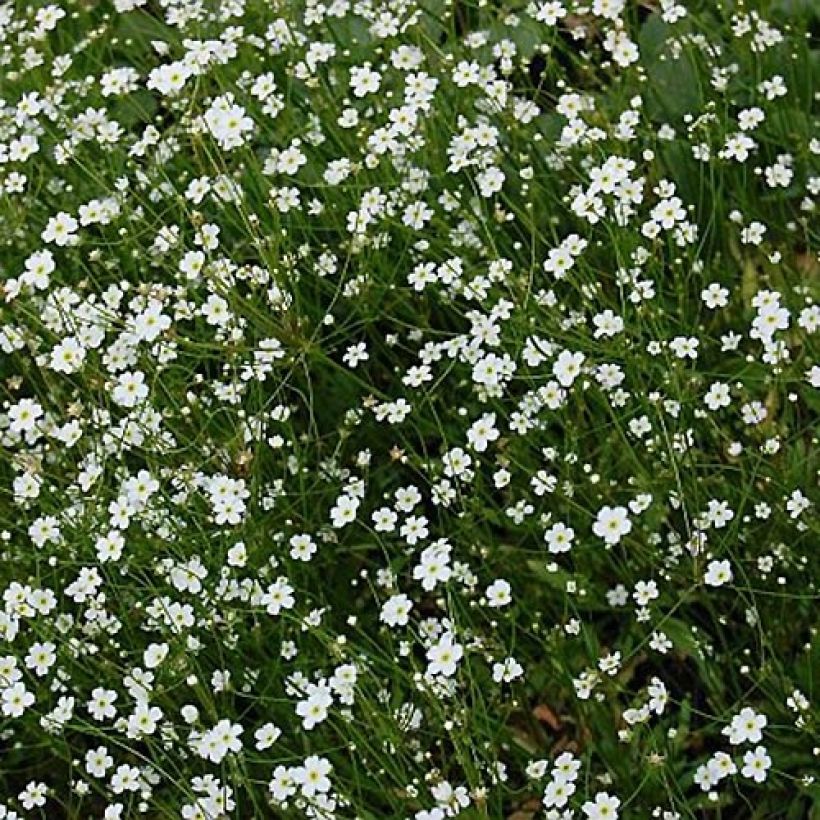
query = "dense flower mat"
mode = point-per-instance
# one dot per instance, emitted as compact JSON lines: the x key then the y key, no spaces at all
{"x":409,"y":409}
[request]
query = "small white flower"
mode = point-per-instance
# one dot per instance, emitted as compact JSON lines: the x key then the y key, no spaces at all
{"x":396,"y":610}
{"x":559,"y":538}
{"x":612,"y":524}
{"x":61,"y":230}
{"x":746,"y":727}
{"x":130,"y":389}
{"x":567,"y":367}
{"x":507,"y":671}
{"x":605,"y":807}
{"x":756,"y":764}
{"x":482,"y":432}
{"x":364,"y":81}
{"x":266,"y":736}
{"x":718,"y":573}
{"x":498,"y":594}
{"x":444,"y":657}
{"x":25,"y":415}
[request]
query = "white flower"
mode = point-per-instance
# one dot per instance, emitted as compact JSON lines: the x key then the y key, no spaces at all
{"x":216,"y":743}
{"x":450,"y":799}
{"x":68,"y":356}
{"x":550,"y":12}
{"x":434,"y":566}
{"x":559,"y":538}
{"x":456,"y":462}
{"x":715,"y":296}
{"x":719,"y":513}
{"x":507,"y":671}
{"x":215,"y":311}
{"x":567,"y":367}
{"x":169,"y":79}
{"x":191,"y":264}
{"x":566,"y":767}
{"x":151,"y":323}
{"x":101,"y":704}
{"x":303,"y":547}
{"x":416,"y":215}
{"x":718,"y":573}
{"x":155,"y":654}
{"x":384,"y":519}
{"x":414,"y":529}
{"x":490,"y":181}
{"x":797,"y":504}
{"x":314,"y":708}
{"x":312,"y":777}
{"x":38,"y":267}
{"x":668,"y":211}
{"x":756,"y":764}
{"x":61,"y":230}
{"x":364,"y":81}
{"x":498,"y":594}
{"x":737,"y":147}
{"x":126,"y":779}
{"x":745,"y":727}
{"x":25,"y":415}
{"x":109,"y":546}
{"x":396,"y":610}
{"x":753,"y":233}
{"x":355,"y":354}
{"x":266,"y":736}
{"x":98,"y":761}
{"x":228,"y":123}
{"x":482,"y":432}
{"x":33,"y":796}
{"x":685,"y":347}
{"x":721,"y":765}
{"x":605,"y":807}
{"x":607,"y":324}
{"x":344,"y":511}
{"x":281,"y":785}
{"x":15,"y":700}
{"x":130,"y":389}
{"x":612,"y":524}
{"x":705,"y":777}
{"x":658,"y":696}
{"x":557,"y":793}
{"x":717,"y":396}
{"x":41,"y":657}
{"x":444,"y":657}
{"x":143,"y":721}
{"x":279,"y":596}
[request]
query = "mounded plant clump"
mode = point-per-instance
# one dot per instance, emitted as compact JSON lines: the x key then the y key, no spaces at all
{"x":409,"y":409}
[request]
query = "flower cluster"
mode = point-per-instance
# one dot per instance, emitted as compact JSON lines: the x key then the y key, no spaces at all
{"x":408,"y":409}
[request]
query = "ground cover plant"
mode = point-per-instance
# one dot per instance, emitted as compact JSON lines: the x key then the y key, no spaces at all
{"x":409,"y":409}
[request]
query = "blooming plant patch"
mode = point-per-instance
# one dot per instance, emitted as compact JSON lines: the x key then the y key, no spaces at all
{"x":409,"y":409}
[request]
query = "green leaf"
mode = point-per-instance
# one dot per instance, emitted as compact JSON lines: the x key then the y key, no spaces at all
{"x":138,"y":107}
{"x":673,"y":84}
{"x":138,"y":25}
